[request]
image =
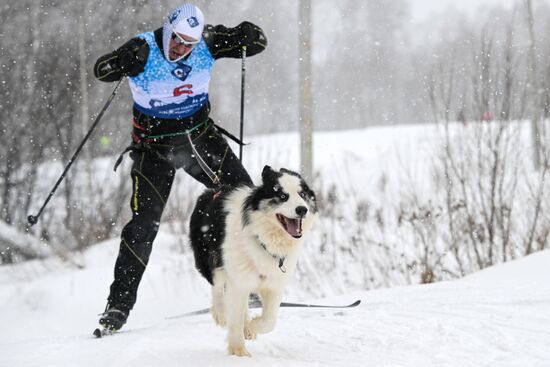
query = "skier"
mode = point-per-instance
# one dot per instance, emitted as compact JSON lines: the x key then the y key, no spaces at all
{"x":169,"y":72}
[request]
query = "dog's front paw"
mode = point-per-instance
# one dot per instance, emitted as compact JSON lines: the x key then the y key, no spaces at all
{"x":238,"y":350}
{"x":260,"y":325}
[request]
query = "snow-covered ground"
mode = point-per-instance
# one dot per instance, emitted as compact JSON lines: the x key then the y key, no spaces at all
{"x":497,"y":317}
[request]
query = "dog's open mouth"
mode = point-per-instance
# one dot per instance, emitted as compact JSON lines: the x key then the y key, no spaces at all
{"x":292,"y":226}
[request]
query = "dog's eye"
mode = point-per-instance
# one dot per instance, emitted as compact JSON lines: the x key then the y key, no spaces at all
{"x":302,"y":194}
{"x":283,"y":197}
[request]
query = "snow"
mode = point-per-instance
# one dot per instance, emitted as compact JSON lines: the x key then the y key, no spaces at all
{"x":9,"y":235}
{"x":497,"y":317}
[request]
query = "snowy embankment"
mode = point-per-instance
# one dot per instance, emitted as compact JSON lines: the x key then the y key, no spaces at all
{"x":497,"y":317}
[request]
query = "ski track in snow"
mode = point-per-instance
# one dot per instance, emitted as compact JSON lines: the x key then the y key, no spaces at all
{"x":498,"y":317}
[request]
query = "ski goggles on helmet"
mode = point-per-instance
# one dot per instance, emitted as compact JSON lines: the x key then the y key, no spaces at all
{"x":180,"y":41}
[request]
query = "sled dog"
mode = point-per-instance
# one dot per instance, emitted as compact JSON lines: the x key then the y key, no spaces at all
{"x":245,"y":240}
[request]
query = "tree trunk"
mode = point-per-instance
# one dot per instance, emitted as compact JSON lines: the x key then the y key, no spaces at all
{"x":305,"y":100}
{"x":533,"y":86}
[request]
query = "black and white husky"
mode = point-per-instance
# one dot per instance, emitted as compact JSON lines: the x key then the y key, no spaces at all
{"x":246,"y":240}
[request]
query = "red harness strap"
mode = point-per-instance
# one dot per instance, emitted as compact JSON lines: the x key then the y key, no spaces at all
{"x":138,"y":126}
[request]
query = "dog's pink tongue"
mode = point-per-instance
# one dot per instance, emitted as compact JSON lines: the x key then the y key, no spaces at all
{"x":294,"y":227}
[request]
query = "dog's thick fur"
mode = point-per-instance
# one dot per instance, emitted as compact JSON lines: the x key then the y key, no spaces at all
{"x":246,"y":240}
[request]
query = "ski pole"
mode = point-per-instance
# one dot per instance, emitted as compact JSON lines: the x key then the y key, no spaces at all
{"x":33,"y":219}
{"x":243,"y":72}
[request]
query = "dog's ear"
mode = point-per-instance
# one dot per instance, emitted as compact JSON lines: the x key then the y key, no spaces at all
{"x":289,"y":172}
{"x":270,"y":176}
{"x":267,"y":173}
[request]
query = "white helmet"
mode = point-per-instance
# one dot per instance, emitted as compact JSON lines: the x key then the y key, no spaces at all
{"x":187,"y":20}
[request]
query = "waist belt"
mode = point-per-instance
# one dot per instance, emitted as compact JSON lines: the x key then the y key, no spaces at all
{"x":141,"y":144}
{"x":149,"y":138}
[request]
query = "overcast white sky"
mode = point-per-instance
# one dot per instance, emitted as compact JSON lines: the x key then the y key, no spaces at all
{"x":421,"y":9}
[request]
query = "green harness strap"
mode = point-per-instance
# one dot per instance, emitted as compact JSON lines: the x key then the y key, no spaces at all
{"x":178,"y":133}
{"x":146,"y":146}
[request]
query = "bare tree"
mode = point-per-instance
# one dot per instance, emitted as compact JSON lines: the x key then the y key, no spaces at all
{"x":533,"y":91}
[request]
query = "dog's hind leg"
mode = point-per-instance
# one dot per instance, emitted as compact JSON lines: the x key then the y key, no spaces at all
{"x":249,"y":333}
{"x":271,"y":301}
{"x":236,"y":305}
{"x":218,"y":296}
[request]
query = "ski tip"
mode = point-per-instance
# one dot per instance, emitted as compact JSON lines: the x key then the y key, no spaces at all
{"x":356,"y":303}
{"x":97,"y":333}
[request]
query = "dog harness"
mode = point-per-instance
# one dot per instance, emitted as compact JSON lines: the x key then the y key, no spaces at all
{"x":253,"y":265}
{"x":281,"y":260}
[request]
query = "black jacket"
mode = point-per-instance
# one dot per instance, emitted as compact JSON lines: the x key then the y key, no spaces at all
{"x":130,"y":58}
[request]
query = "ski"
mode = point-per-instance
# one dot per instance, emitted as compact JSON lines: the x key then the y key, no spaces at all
{"x":255,"y":303}
{"x":309,"y":305}
{"x":101,"y":332}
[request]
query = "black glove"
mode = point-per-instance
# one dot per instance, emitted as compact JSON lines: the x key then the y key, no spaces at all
{"x":132,"y":57}
{"x":253,"y":37}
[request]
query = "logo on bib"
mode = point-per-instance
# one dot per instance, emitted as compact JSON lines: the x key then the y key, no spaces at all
{"x":182,"y":72}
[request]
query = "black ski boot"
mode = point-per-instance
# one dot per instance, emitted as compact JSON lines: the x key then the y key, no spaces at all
{"x":111,"y":320}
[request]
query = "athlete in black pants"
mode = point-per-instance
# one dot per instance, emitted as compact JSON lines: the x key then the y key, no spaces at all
{"x":169,"y":72}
